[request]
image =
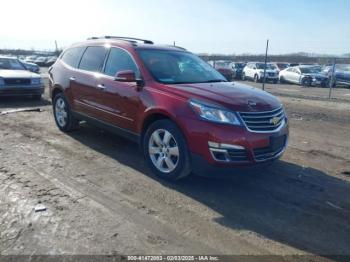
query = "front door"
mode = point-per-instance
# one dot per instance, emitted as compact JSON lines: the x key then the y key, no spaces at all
{"x":120,"y":100}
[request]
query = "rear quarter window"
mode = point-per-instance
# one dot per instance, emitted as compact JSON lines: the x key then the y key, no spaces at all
{"x":72,"y":56}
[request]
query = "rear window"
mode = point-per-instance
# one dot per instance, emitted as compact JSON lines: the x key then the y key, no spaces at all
{"x":93,"y":58}
{"x":72,"y":56}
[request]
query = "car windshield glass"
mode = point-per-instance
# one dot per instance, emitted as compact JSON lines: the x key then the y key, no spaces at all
{"x":222,"y":64}
{"x":239,"y":65}
{"x":178,"y":67}
{"x":11,"y":64}
{"x":282,"y":66}
{"x":262,"y":66}
{"x":310,"y":70}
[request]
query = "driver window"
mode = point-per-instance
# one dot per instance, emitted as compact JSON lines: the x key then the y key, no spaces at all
{"x":120,"y":60}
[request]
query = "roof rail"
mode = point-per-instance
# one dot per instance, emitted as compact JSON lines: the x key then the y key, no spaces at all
{"x":129,"y":39}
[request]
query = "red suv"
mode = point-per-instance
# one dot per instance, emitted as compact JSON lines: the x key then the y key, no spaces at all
{"x":183,"y":113}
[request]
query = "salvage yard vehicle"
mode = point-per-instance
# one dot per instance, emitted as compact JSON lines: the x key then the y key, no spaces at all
{"x":16,"y":80}
{"x":237,"y":68}
{"x":31,"y":66}
{"x":279,"y":66}
{"x":304,"y":75}
{"x":341,"y":74}
{"x":255,"y":71}
{"x":224,"y":67}
{"x":183,"y":113}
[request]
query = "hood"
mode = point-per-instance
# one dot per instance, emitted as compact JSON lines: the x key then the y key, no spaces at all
{"x":316,"y":75}
{"x":234,"y":96}
{"x":267,"y":71}
{"x":17,"y":74}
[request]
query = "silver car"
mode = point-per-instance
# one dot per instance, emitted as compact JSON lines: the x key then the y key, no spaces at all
{"x":304,"y":75}
{"x":16,"y":80}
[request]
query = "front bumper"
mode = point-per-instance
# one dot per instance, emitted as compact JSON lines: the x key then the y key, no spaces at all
{"x":28,"y":90}
{"x":226,"y":145}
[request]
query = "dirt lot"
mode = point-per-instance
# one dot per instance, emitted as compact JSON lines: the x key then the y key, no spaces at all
{"x":102,"y":199}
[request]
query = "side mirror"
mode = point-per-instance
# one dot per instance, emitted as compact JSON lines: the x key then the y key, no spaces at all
{"x":125,"y":76}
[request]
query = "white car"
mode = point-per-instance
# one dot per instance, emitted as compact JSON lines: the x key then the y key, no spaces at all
{"x":255,"y":71}
{"x":304,"y":75}
{"x":16,"y":80}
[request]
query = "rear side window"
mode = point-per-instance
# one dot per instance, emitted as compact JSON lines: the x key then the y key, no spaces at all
{"x":72,"y":56}
{"x":119,"y":60}
{"x":93,"y":58}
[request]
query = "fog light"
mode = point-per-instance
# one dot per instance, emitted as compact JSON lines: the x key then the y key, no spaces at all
{"x":224,"y":146}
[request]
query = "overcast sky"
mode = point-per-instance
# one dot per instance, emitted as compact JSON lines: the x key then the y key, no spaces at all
{"x":210,"y":26}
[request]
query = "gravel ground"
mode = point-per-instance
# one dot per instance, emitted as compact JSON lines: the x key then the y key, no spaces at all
{"x":102,"y":199}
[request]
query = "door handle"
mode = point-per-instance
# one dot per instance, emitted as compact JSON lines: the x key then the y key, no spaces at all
{"x":73,"y":78}
{"x":101,"y":87}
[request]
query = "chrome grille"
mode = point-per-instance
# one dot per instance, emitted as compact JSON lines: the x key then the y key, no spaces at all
{"x":17,"y":81}
{"x":266,"y":121}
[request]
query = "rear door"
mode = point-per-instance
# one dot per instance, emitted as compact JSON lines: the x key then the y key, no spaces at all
{"x":84,"y":85}
{"x":121,"y":101}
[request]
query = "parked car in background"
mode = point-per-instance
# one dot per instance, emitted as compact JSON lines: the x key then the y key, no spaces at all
{"x":255,"y":71}
{"x":341,"y":74}
{"x":279,"y":66}
{"x":51,"y":60}
{"x":31,"y":59}
{"x":237,"y":68}
{"x":41,"y":61}
{"x":16,"y":80}
{"x":182,"y":112}
{"x":305,"y":75}
{"x":223,"y":67}
{"x":31,"y":66}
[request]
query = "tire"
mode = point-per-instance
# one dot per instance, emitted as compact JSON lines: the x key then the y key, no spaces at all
{"x":64,"y":118}
{"x":305,"y":82}
{"x":256,"y":79}
{"x":282,"y":80}
{"x":275,"y":81}
{"x":167,"y":158}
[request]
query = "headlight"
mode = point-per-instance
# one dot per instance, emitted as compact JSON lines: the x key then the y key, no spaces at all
{"x":2,"y":83}
{"x":214,"y":114}
{"x":36,"y":81}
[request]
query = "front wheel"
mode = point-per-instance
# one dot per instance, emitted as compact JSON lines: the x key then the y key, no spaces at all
{"x":256,"y":79}
{"x":166,"y":151}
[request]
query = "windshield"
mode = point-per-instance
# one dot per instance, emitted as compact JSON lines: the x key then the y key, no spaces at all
{"x":222,"y":65}
{"x":177,"y":67}
{"x":262,"y":66}
{"x":310,"y":70}
{"x":11,"y":64}
{"x":282,"y":66}
{"x":239,"y":65}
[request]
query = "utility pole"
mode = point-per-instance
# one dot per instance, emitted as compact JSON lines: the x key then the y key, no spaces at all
{"x":174,"y":43}
{"x":267,"y":48}
{"x":332,"y":80}
{"x":56,"y":47}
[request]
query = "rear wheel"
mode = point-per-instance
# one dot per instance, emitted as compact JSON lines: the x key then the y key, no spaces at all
{"x":63,"y":115}
{"x":165,"y":150}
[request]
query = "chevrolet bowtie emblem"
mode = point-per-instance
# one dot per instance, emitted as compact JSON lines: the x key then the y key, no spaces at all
{"x":275,"y":120}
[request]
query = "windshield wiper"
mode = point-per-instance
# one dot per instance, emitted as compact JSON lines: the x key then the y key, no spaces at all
{"x":214,"y":81}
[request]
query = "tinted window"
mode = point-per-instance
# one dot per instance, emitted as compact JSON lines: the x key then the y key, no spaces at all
{"x":93,"y":58}
{"x":72,"y":56}
{"x":119,"y":60}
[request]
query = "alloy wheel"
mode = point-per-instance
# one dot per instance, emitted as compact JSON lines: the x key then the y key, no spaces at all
{"x":163,"y":150}
{"x":61,"y":112}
